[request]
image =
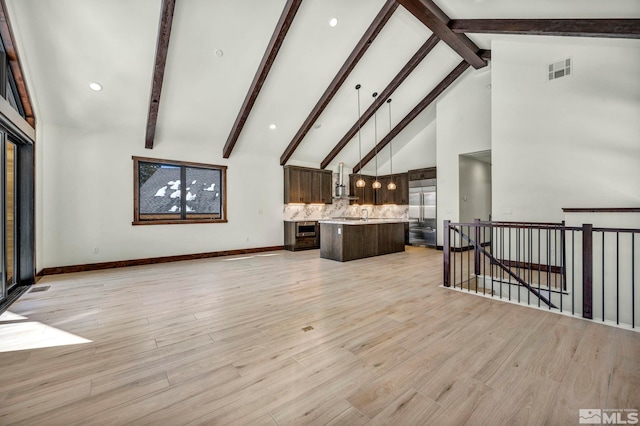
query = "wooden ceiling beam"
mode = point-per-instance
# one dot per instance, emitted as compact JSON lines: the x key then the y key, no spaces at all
{"x":279,"y":34}
{"x":432,"y":96}
{"x":14,"y":63}
{"x":162,"y":47}
{"x":384,"y":95}
{"x":607,"y":28}
{"x":363,"y":45}
{"x":437,"y":21}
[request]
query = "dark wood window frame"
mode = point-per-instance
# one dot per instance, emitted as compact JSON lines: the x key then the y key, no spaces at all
{"x":183,"y":216}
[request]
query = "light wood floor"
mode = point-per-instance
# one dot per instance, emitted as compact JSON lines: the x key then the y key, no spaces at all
{"x":221,"y":341}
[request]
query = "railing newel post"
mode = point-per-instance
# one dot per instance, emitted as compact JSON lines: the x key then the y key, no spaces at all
{"x":446,"y":253}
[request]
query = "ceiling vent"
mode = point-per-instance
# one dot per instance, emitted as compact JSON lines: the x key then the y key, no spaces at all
{"x":559,"y":69}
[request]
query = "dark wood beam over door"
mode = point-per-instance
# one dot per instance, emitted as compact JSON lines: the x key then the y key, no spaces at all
{"x":14,"y":64}
{"x":289,"y":12}
{"x":162,"y":47}
{"x":432,"y":96}
{"x":384,"y":95}
{"x":433,"y":17}
{"x":607,"y":28}
{"x":367,"y":39}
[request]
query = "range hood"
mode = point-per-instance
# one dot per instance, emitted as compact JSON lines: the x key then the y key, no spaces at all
{"x":341,"y":190}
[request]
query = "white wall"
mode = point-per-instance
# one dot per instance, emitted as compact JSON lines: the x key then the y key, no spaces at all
{"x":87,"y":199}
{"x":570,"y":142}
{"x":463,"y":126}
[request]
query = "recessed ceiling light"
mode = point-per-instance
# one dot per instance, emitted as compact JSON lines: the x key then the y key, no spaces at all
{"x":333,"y":22}
{"x":219,"y":53}
{"x":95,"y":86}
{"x":273,"y":126}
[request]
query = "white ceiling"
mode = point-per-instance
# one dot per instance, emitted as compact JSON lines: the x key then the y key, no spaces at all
{"x":65,"y":44}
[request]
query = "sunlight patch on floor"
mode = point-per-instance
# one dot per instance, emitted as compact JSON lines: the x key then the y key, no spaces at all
{"x":17,"y":333}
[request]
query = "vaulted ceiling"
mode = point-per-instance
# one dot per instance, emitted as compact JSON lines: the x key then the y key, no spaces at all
{"x":233,"y":68}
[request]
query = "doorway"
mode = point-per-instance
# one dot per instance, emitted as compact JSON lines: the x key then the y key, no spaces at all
{"x":475,"y":186}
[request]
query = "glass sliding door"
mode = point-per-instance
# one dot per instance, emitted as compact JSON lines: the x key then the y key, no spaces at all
{"x":10,"y":245}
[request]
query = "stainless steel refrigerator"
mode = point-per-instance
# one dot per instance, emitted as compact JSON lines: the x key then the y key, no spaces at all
{"x":422,"y":212}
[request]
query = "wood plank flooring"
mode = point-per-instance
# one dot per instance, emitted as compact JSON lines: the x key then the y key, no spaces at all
{"x":221,"y":341}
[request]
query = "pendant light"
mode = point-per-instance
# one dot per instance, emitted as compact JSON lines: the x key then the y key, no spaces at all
{"x":376,"y":183}
{"x":360,"y":183}
{"x":391,"y":185}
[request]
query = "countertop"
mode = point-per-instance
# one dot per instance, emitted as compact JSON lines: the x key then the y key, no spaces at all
{"x":356,"y":221}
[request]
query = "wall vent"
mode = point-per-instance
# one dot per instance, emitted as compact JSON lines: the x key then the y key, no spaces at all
{"x":559,"y":69}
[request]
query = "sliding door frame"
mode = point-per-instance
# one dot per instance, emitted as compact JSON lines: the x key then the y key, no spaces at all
{"x":17,"y":131}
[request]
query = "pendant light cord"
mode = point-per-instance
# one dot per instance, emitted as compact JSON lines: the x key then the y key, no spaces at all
{"x":359,"y":138}
{"x":390,"y":141}
{"x":375,"y":134}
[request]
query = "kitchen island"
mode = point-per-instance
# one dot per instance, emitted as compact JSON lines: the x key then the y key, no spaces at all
{"x":353,"y":238}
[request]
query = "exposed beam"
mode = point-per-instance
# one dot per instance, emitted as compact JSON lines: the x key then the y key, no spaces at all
{"x":289,"y":12}
{"x":14,"y":62}
{"x":433,"y":17}
{"x":162,"y":47}
{"x":367,"y":39}
{"x":441,"y":87}
{"x":609,"y":28}
{"x":379,"y":101}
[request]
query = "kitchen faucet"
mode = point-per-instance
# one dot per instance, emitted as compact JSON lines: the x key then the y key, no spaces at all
{"x":365,"y":213}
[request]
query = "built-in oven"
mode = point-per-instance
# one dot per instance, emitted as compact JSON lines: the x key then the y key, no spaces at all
{"x":306,"y":229}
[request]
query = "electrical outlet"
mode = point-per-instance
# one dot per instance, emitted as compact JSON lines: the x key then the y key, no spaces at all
{"x":96,"y":250}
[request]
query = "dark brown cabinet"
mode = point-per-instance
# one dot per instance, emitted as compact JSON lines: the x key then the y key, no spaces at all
{"x":368,"y":195}
{"x":365,"y":195}
{"x":306,"y":185}
{"x":294,"y":240}
{"x":401,"y":193}
{"x":321,"y":182}
{"x":349,"y":242}
{"x":419,"y":174}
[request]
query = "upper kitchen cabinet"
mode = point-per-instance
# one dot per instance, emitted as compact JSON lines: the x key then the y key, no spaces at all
{"x":368,"y":195}
{"x":420,"y":174}
{"x":321,"y":181}
{"x":400,"y":195}
{"x":365,"y":195}
{"x":306,"y":185}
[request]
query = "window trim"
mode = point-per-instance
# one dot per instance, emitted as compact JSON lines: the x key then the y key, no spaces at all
{"x":195,"y":217}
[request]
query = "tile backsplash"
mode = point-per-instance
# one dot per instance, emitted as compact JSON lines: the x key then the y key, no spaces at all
{"x":341,"y":208}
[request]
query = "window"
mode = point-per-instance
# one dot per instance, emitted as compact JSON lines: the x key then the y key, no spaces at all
{"x":167,"y":192}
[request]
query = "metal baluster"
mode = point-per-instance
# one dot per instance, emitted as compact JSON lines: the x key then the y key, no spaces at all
{"x":548,"y":260}
{"x":509,"y":263}
{"x":453,"y":254}
{"x":518,"y":259}
{"x":603,"y":276}
{"x":502,"y":258}
{"x":573,"y":271}
{"x":494,"y":254}
{"x":617,"y":277}
{"x":633,"y":280}
{"x":529,"y":250}
{"x":468,"y":260}
{"x":562,"y":261}
{"x":539,"y":263}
